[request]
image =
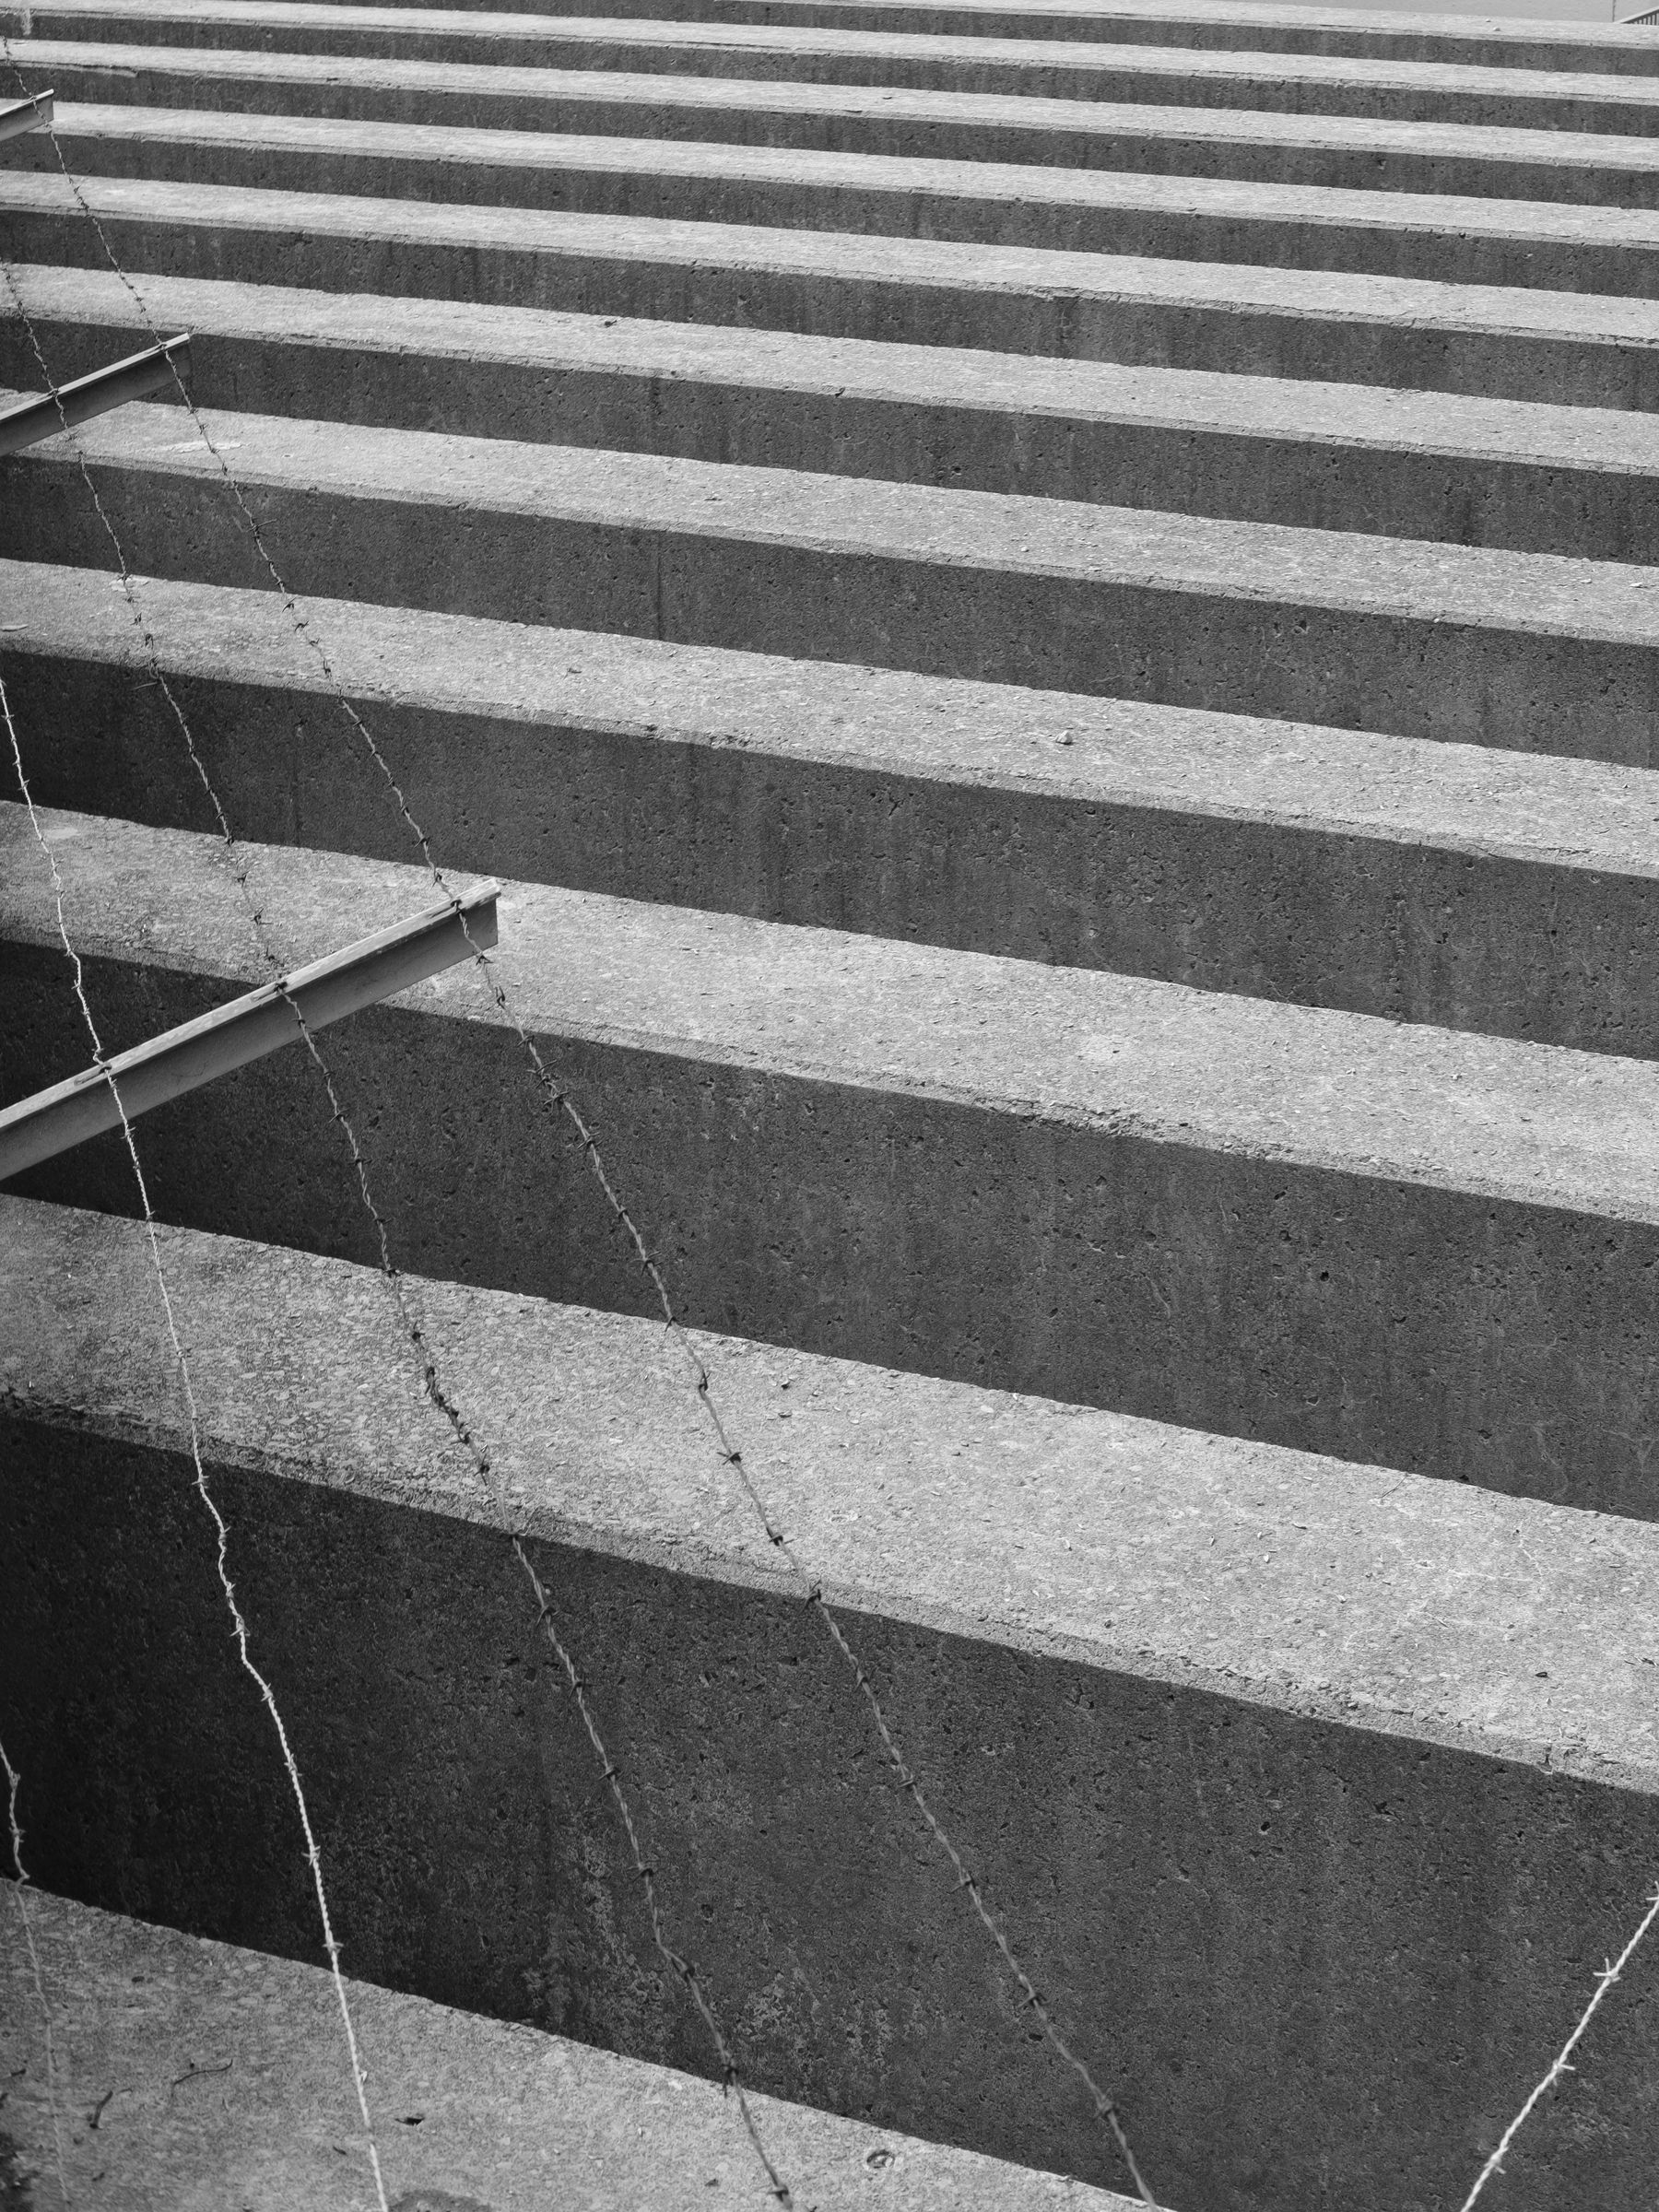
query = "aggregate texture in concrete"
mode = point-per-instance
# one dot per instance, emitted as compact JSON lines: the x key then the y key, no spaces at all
{"x":1385,"y":1241}
{"x":1471,"y":645}
{"x":1546,"y":244}
{"x":190,"y":2075}
{"x":1579,"y":39}
{"x":1458,"y":884}
{"x":1504,"y":473}
{"x":1353,"y":152}
{"x":1406,"y":1837}
{"x":1625,"y":104}
{"x":1223,"y":1424}
{"x":1341,"y":1594}
{"x":1490,"y":341}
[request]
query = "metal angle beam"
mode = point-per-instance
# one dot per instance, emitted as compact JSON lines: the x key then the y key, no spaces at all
{"x":26,"y":421}
{"x":32,"y":114}
{"x":49,"y":1122}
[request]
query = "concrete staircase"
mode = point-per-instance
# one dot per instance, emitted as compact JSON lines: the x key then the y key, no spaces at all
{"x":1050,"y":617}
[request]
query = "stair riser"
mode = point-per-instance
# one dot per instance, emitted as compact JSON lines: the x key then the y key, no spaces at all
{"x":1130,"y":144}
{"x":1518,"y":106}
{"x":1581,"y":370}
{"x":1407,"y":676}
{"x":1465,"y":43}
{"x":1544,"y":508}
{"x":1427,"y":1328}
{"x":1420,"y":933}
{"x":1450,"y":256}
{"x":472,"y":1855}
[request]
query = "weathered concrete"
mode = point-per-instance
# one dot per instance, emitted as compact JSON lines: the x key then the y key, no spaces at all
{"x":1488,"y":340}
{"x":1411,"y":1848}
{"x":1532,"y":651}
{"x":1572,"y":480}
{"x":1309,"y":1735}
{"x":1177,"y":76}
{"x":1351,"y":152}
{"x":1488,"y":40}
{"x":195,"y":2075}
{"x":1389,"y":1242}
{"x":1447,"y":884}
{"x":1456,"y":241}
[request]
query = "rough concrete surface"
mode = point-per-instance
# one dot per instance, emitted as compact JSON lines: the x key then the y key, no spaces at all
{"x":1469,"y":643}
{"x":1321,"y":1089}
{"x":1435,"y":1248}
{"x":1367,"y":1902}
{"x":1489,"y":340}
{"x":1345,"y":1595}
{"x":1549,"y":244}
{"x":1577,"y":40}
{"x":1480,"y":802}
{"x":1456,"y":885}
{"x":1341,"y":85}
{"x":1524,"y":475}
{"x":1581,"y":38}
{"x":189,"y":2076}
{"x":1354,"y":151}
{"x":1047,"y":618}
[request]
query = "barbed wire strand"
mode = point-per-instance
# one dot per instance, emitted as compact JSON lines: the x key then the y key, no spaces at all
{"x":21,"y":1888}
{"x":1611,"y":1970}
{"x":681,"y":1967}
{"x":204,"y":1490}
{"x":1105,"y":2106}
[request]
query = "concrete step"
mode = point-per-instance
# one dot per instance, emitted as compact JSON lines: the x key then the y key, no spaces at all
{"x":1534,"y":479}
{"x":1425,"y":1767}
{"x":1390,"y":1242}
{"x":461,"y":2102}
{"x":1449,"y":241}
{"x":1446,"y":884}
{"x":1023,"y":1015}
{"x":1400,"y":91}
{"x":1483,"y":340}
{"x":1533,"y":653}
{"x":1488,"y":41}
{"x":1341,"y":152}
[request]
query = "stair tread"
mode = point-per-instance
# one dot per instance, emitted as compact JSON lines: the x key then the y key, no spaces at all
{"x":1496,"y":40}
{"x":1472,"y":799}
{"x":462,"y":2102}
{"x":1004,"y":533}
{"x":1289,"y":29}
{"x":1351,"y":1594}
{"x":1610,"y":440}
{"x":445,"y":151}
{"x":1345,"y":1593}
{"x":1535,"y":1125}
{"x":333,"y":22}
{"x":1319,"y":296}
{"x":1078,"y":121}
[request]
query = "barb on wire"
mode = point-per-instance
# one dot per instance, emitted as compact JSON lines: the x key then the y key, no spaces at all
{"x":1105,"y":2106}
{"x":221,"y":1530}
{"x":20,"y":1887}
{"x":1558,"y":2066}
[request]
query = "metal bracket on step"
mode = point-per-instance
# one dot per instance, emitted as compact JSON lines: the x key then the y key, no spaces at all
{"x":49,"y":1122}
{"x":31,"y":114}
{"x":26,"y":421}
